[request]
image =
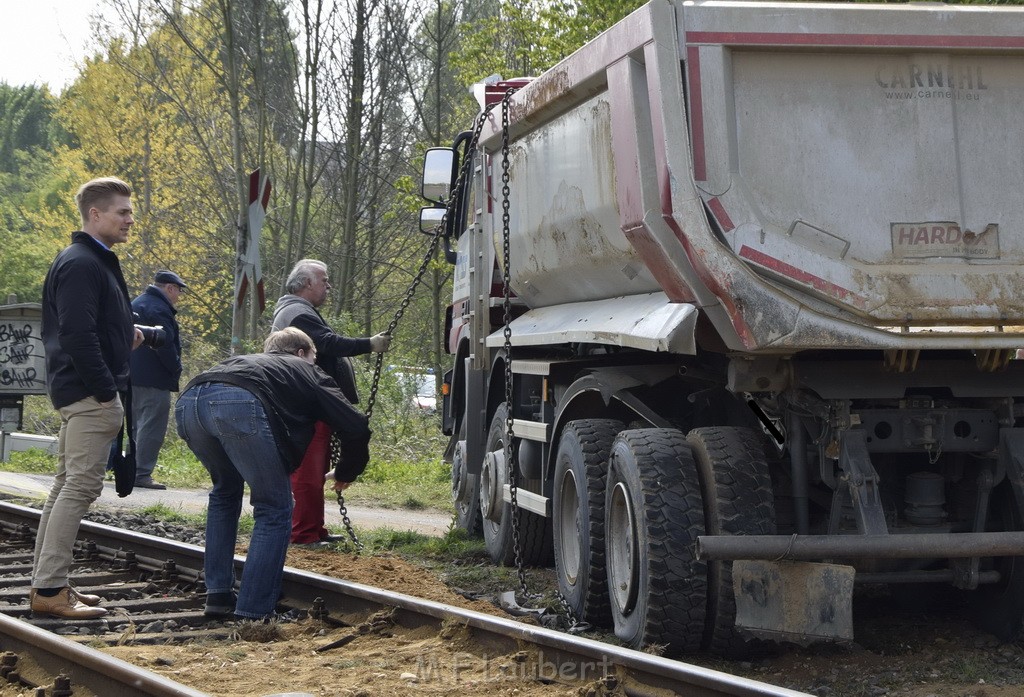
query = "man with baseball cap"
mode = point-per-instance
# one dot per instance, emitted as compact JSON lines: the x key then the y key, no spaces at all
{"x":155,"y":373}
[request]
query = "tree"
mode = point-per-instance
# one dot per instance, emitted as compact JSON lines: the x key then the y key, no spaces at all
{"x":25,"y":123}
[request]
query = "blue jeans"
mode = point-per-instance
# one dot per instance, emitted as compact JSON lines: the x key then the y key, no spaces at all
{"x":227,"y":428}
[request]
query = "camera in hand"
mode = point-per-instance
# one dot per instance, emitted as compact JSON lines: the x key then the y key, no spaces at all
{"x":153,"y":337}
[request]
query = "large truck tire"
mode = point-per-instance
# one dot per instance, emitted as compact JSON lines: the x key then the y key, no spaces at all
{"x":581,"y":472}
{"x":653,"y":515}
{"x":999,"y":607}
{"x":738,"y":500}
{"x":465,"y":490}
{"x":534,"y":531}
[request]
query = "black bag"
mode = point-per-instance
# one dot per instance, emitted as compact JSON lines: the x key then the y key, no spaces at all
{"x":122,"y":462}
{"x":349,"y":457}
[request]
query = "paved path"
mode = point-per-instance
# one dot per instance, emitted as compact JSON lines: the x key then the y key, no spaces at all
{"x":37,"y":486}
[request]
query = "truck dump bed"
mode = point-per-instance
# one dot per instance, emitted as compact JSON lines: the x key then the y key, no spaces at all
{"x":809,"y":175}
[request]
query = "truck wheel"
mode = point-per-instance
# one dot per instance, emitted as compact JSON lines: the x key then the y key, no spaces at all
{"x":738,"y":500}
{"x":498,"y":521}
{"x":465,"y":490}
{"x":581,"y":472}
{"x":653,"y":515}
{"x":999,"y":607}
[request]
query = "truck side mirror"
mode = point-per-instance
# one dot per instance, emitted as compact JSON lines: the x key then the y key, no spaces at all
{"x":430,"y":218}
{"x":438,"y":174}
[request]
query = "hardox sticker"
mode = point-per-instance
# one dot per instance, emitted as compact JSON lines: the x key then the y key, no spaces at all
{"x":944,"y":239}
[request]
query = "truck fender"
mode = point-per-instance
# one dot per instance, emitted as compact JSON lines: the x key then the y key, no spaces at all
{"x":614,"y":389}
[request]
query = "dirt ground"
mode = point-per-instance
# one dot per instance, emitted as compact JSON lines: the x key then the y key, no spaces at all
{"x":385,"y":660}
{"x":904,"y":654}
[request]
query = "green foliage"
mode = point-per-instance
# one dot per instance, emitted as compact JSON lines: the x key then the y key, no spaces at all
{"x":526,"y":37}
{"x":33,"y":461}
{"x":25,"y":117}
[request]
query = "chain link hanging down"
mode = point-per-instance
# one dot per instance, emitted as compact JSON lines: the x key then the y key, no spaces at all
{"x":511,"y":456}
{"x":336,"y":445}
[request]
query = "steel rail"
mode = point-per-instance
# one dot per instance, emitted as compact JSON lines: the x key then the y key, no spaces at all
{"x":86,"y":667}
{"x":560,"y":655}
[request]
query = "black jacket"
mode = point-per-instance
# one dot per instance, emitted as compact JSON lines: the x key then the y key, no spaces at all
{"x":157,"y":367}
{"x":295,"y":396}
{"x":332,"y":349}
{"x":87,"y":324}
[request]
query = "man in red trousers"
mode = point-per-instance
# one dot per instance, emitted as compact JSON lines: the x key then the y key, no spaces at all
{"x":308,"y":287}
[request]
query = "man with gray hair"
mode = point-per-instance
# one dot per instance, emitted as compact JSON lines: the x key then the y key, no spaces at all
{"x":308,"y":287}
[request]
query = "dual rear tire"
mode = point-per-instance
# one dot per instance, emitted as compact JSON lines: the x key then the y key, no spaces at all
{"x":581,"y":471}
{"x":663,"y":490}
{"x":628,"y":506}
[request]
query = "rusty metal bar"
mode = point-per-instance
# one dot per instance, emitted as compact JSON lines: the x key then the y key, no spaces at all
{"x":818,"y":547}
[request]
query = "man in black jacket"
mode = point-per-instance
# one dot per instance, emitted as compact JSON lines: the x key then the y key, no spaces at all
{"x":88,"y":335}
{"x":155,"y":373}
{"x":308,"y":287}
{"x":249,"y":420}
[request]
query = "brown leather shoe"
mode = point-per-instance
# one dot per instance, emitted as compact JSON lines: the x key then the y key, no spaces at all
{"x":85,"y":598}
{"x":64,"y":604}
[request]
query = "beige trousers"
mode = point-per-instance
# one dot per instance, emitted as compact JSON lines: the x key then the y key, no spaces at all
{"x":86,"y":431}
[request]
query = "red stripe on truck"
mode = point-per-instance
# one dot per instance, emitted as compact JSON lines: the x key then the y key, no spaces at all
{"x":696,"y":113}
{"x":816,"y":282}
{"x":718,"y":210}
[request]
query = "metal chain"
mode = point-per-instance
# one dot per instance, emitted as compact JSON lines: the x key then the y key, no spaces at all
{"x":575,"y":625}
{"x":510,"y":451}
{"x":464,"y":170}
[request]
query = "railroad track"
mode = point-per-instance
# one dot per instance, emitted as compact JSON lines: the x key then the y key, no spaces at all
{"x":154,"y":588}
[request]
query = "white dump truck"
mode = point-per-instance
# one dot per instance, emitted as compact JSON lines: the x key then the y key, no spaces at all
{"x":766,"y":276}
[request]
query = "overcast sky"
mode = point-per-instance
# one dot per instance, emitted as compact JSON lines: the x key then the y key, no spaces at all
{"x":44,"y":40}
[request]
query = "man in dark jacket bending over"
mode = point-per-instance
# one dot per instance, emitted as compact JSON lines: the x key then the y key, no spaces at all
{"x":249,"y":420}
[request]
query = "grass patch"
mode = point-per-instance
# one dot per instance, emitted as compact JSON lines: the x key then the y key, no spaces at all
{"x":404,"y":484}
{"x":34,"y":461}
{"x":454,"y":545}
{"x":174,"y":515}
{"x":968,"y":669}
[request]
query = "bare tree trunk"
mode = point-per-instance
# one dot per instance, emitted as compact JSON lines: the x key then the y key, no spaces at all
{"x":241,"y":190}
{"x":353,"y":132}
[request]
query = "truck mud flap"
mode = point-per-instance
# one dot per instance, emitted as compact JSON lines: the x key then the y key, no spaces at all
{"x":797,"y":602}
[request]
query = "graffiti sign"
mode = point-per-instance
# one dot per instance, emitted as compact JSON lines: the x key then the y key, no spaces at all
{"x":22,"y":362}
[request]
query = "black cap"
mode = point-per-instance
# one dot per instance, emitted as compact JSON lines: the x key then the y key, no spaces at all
{"x":165,"y":276}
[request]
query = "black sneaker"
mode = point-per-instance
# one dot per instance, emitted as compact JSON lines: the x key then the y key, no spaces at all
{"x":220,"y":604}
{"x":148,"y":483}
{"x":319,"y":544}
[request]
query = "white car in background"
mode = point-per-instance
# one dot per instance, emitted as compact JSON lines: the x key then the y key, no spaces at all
{"x":426,"y":393}
{"x":422,"y":388}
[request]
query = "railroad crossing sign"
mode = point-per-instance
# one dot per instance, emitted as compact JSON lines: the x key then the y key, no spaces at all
{"x":252,"y":274}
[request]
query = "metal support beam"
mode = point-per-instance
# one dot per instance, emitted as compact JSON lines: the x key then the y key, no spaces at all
{"x":818,"y":547}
